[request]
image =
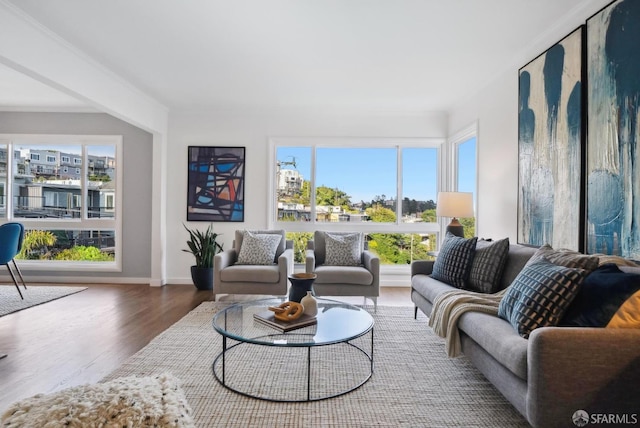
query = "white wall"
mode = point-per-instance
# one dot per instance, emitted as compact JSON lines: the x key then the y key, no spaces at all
{"x":495,"y":108}
{"x":253,"y":130}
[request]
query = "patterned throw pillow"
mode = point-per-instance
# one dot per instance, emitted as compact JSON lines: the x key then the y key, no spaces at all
{"x":488,"y":265}
{"x":343,"y":249}
{"x":258,"y":248}
{"x":567,"y":258}
{"x":454,"y":260}
{"x":608,"y":297}
{"x":540,"y":295}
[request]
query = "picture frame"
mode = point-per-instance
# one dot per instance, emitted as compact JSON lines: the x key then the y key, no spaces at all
{"x":613,"y":94}
{"x":551,"y":139}
{"x":216,"y":182}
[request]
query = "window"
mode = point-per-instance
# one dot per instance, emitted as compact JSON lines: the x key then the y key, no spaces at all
{"x":466,"y":173}
{"x":357,"y":185}
{"x":71,"y":217}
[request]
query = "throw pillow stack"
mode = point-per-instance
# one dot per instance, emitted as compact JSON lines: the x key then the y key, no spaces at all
{"x":471,"y":264}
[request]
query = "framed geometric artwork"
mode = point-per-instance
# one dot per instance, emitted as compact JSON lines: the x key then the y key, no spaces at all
{"x":551,"y":147}
{"x":216,"y":184}
{"x":613,"y":98}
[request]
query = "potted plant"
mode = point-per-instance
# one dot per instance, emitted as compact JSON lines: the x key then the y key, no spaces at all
{"x":203,"y":246}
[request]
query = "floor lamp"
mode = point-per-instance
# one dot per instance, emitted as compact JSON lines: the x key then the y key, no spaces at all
{"x":455,"y":204}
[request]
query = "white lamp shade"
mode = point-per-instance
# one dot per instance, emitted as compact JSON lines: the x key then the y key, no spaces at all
{"x":455,"y":204}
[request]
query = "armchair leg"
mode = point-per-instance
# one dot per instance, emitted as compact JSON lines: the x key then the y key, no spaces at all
{"x":14,"y":281}
{"x":19,"y":273}
{"x":375,"y":303}
{"x":415,"y":312}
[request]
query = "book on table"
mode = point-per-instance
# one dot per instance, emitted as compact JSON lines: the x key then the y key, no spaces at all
{"x":268,"y":318}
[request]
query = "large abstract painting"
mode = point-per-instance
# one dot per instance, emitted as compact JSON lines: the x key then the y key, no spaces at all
{"x":613,"y":171}
{"x":550,"y":147}
{"x":216,"y":184}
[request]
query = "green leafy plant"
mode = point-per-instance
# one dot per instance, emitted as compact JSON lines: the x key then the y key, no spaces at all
{"x":203,"y":246}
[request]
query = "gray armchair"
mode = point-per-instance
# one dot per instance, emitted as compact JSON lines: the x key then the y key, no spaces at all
{"x":230,"y":277}
{"x":332,"y":280}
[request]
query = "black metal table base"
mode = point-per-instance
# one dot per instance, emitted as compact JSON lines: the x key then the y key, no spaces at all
{"x":221,"y":377}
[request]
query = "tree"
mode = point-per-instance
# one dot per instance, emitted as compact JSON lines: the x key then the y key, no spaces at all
{"x":299,"y":244}
{"x":330,"y":196}
{"x":380,"y":214}
{"x":469,"y":225}
{"x":429,"y":215}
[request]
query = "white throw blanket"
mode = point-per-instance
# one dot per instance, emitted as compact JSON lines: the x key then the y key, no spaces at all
{"x":449,"y":307}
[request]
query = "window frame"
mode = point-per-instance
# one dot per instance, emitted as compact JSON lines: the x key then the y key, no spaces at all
{"x":331,"y":142}
{"x":84,"y":223}
{"x":453,"y":147}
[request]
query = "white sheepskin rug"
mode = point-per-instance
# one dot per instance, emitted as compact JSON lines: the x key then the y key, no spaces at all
{"x":155,"y":401}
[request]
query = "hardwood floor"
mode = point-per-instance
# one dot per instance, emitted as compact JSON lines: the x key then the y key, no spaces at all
{"x":83,"y":337}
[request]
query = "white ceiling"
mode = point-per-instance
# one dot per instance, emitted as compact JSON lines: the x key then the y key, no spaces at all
{"x":374,"y":54}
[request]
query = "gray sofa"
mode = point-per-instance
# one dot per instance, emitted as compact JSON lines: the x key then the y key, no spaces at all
{"x":554,"y":373}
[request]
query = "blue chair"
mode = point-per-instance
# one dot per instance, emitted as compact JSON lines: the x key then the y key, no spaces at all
{"x":11,"y":237}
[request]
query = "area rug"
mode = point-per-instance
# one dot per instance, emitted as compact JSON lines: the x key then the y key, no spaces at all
{"x":35,"y":295}
{"x":414,"y":383}
{"x":126,"y":402}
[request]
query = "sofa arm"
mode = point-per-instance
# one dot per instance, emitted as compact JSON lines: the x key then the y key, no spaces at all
{"x":310,"y":261}
{"x":285,"y":262}
{"x":371,"y":262}
{"x":424,"y":267}
{"x":591,"y":369}
{"x":225,"y":259}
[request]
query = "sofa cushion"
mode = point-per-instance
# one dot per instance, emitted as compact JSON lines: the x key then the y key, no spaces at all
{"x":343,"y":249}
{"x":498,"y":338}
{"x":608,"y":297}
{"x":454,"y":260}
{"x":251,"y":273}
{"x":258,"y":248}
{"x":488,"y":265}
{"x":517,"y":258}
{"x":429,"y":287}
{"x":357,"y":275}
{"x":540,"y":295}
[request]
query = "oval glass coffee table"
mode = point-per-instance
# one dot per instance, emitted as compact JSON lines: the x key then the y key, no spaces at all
{"x":330,"y":358}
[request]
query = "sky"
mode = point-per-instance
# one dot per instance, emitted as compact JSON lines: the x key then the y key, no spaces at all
{"x":365,"y":174}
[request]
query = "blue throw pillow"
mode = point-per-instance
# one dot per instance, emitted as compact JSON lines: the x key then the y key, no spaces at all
{"x":540,"y":295}
{"x":604,"y":292}
{"x":453,"y":264}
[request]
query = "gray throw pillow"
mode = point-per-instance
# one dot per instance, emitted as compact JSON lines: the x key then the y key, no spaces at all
{"x":567,"y":258}
{"x":454,"y":260}
{"x":258,"y":248}
{"x":540,"y":295}
{"x":343,"y":249}
{"x":488,"y":265}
